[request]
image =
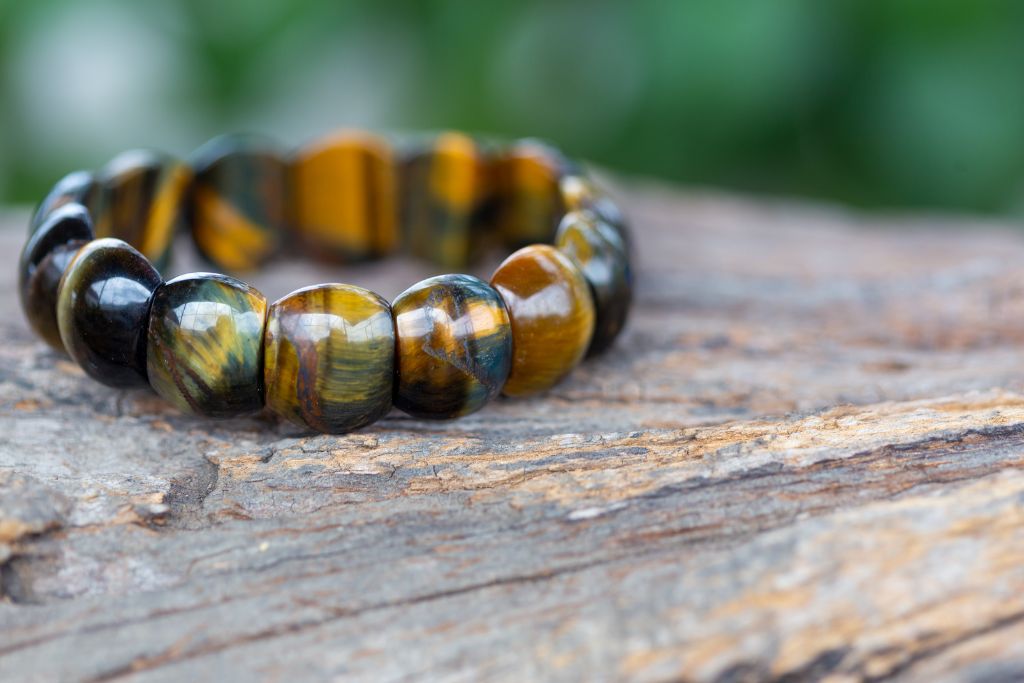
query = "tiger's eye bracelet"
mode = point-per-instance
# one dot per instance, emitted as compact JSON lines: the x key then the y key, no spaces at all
{"x":330,"y":357}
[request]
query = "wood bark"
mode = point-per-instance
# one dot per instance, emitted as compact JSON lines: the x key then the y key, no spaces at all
{"x":802,"y":460}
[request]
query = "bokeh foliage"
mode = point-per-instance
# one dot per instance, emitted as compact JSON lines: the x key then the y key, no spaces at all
{"x":916,"y":103}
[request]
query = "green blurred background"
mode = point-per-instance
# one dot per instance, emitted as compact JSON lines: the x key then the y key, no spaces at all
{"x":884,"y":103}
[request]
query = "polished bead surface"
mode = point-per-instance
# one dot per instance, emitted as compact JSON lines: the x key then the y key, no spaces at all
{"x":42,"y":264}
{"x":598,"y":251}
{"x":330,"y":357}
{"x":74,"y":188}
{"x":580,"y":193}
{"x":204,"y":349}
{"x":529,"y":202}
{"x":236,"y":206}
{"x":344,"y":197}
{"x":454,"y":346}
{"x":552,"y":315}
{"x":102,"y":310}
{"x":139,"y":199}
{"x":445,"y":197}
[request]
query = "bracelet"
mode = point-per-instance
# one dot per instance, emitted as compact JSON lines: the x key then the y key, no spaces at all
{"x":330,"y":357}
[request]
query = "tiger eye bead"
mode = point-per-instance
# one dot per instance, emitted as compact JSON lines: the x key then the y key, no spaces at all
{"x":43,"y":261}
{"x":102,"y":309}
{"x":138,"y":200}
{"x":344,"y":196}
{"x":74,"y":188}
{"x":529,"y":201}
{"x":446,"y":192}
{"x":580,"y":193}
{"x":552,"y":315}
{"x":204,"y":349}
{"x":454,"y":346}
{"x":330,"y":357}
{"x":236,"y":205}
{"x":598,"y":251}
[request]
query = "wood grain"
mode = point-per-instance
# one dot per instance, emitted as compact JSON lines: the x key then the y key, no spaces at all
{"x":804,"y":459}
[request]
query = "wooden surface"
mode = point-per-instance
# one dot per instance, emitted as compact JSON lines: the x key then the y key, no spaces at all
{"x":803,"y":460}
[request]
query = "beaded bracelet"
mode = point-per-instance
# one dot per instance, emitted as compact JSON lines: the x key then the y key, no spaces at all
{"x":330,"y":357}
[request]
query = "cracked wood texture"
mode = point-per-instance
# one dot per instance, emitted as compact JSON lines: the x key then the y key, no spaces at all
{"x":802,"y":460}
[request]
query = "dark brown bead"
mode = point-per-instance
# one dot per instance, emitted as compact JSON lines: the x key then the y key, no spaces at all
{"x":74,"y":188}
{"x":102,"y":311}
{"x":43,"y":261}
{"x":597,"y":249}
{"x":580,"y":193}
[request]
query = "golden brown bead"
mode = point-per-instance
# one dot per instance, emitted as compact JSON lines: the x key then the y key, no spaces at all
{"x":529,"y":201}
{"x":454,"y":346}
{"x":330,"y":357}
{"x":345,"y":197}
{"x":446,"y":192}
{"x":237,"y":204}
{"x":552,"y":315}
{"x":138,"y":199}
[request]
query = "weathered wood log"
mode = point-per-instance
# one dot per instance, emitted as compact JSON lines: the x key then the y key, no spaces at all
{"x":803,"y":460}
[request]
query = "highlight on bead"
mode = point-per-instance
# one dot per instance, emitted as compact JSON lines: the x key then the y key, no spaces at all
{"x":330,"y":357}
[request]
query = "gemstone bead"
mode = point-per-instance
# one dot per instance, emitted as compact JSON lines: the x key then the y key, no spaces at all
{"x":598,"y":251}
{"x":237,"y":204}
{"x":43,"y":261}
{"x":330,"y":357}
{"x":76,"y":187}
{"x":204,"y":349}
{"x":138,"y":199}
{"x":580,"y":193}
{"x":454,"y":346}
{"x":102,"y":311}
{"x":344,"y":195}
{"x":552,"y":315}
{"x":529,"y":201}
{"x":446,"y":195}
